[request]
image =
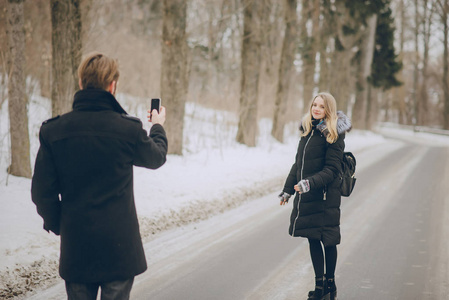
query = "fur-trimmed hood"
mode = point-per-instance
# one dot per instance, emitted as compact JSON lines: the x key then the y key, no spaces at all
{"x":343,"y":124}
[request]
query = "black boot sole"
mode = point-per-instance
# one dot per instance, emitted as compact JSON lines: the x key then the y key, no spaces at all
{"x":324,"y":297}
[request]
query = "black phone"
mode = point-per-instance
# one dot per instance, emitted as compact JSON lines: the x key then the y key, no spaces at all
{"x":156,"y":104}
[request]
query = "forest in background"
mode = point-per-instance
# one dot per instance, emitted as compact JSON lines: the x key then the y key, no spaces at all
{"x":383,"y":60}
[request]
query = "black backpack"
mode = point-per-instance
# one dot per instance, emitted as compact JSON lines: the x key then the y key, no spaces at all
{"x":347,"y":174}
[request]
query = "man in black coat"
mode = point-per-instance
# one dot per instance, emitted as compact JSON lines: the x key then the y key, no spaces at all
{"x":83,"y":184}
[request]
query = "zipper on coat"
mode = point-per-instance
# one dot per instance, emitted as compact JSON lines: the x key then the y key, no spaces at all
{"x":302,"y":170}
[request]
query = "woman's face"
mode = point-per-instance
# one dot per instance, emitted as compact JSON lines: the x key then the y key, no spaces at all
{"x":318,"y":108}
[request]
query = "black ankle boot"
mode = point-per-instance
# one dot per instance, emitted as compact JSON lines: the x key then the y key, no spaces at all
{"x":331,"y":288}
{"x":320,"y":292}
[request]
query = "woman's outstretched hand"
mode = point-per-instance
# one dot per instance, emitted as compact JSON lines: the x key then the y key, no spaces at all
{"x":284,"y":197}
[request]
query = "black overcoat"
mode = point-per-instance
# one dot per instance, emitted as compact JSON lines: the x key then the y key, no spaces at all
{"x":83,"y":186}
{"x":316,"y":214}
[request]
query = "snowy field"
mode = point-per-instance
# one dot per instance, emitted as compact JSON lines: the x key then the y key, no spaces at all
{"x":214,"y":174}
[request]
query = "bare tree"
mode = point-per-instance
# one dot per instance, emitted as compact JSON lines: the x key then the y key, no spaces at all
{"x":327,"y":30}
{"x":443,"y":6}
{"x":285,"y":69}
{"x":399,"y":92}
{"x":342,"y":80}
{"x":416,"y":64}
{"x":219,"y":23}
{"x":77,"y":45}
{"x":251,"y":57}
{"x":311,"y":10}
{"x":372,"y":105}
{"x":174,"y":79}
{"x":17,"y":98}
{"x":426,"y":22}
{"x":66,"y":52}
{"x":361,"y":106}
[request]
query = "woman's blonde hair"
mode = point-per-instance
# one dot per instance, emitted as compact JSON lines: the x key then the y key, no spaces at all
{"x":98,"y":71}
{"x":330,"y":111}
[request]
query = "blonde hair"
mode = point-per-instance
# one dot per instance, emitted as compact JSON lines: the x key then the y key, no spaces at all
{"x":98,"y":71}
{"x":330,"y":116}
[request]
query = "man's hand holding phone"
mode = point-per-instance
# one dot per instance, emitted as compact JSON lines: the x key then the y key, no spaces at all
{"x":155,"y":117}
{"x":156,"y":114}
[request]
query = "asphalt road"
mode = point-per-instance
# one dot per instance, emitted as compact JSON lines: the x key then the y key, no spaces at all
{"x":395,"y":240}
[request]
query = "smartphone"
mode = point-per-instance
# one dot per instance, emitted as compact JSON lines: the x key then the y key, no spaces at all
{"x":156,"y":104}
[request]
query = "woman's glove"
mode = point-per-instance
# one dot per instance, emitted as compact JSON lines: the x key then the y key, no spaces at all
{"x":284,"y":197}
{"x":303,"y":186}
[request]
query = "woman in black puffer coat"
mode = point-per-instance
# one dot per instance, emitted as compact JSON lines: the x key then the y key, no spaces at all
{"x":315,"y":178}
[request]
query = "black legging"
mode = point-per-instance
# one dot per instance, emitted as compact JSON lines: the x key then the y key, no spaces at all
{"x":330,"y":253}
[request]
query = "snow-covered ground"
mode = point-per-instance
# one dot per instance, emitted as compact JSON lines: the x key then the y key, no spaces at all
{"x":214,"y":174}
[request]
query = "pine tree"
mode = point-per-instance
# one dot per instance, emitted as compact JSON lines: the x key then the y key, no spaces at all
{"x":375,"y":62}
{"x":385,"y":61}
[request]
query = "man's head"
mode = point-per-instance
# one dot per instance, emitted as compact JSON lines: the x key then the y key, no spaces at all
{"x":97,"y":71}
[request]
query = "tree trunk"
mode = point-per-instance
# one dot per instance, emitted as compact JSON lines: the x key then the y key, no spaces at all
{"x":360,"y":111}
{"x":285,"y":70}
{"x":251,"y":58}
{"x":327,"y":30}
{"x":305,"y":42}
{"x":342,"y":80}
{"x":400,"y":92}
{"x":17,"y":99}
{"x":444,"y":20}
{"x":323,"y":84}
{"x":174,"y":78}
{"x":310,"y":49}
{"x":423,"y":104}
{"x":372,"y":100}
{"x":77,"y":45}
{"x":399,"y":95}
{"x":66,"y":53}
{"x":416,"y":65}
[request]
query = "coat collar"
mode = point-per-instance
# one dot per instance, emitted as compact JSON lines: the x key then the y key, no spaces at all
{"x":343,"y":124}
{"x":96,"y":100}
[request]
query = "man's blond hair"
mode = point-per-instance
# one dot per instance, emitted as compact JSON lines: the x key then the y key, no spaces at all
{"x":97,"y":71}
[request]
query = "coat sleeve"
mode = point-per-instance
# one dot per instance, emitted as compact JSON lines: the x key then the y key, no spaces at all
{"x":291,"y":181}
{"x":332,"y":165}
{"x":292,"y":178}
{"x":151,"y":151}
{"x":45,"y":188}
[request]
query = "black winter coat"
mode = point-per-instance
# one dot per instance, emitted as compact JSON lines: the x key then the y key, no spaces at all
{"x":83,"y":186}
{"x":316,"y":214}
